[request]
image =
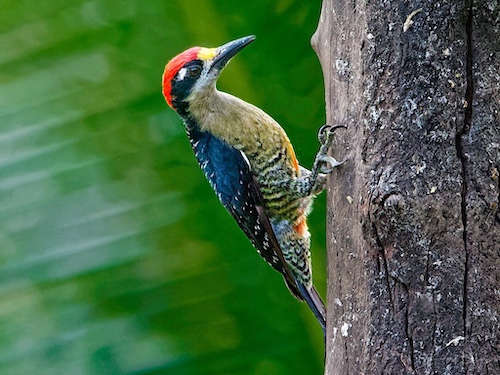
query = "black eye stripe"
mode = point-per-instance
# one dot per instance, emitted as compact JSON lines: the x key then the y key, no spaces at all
{"x":190,"y":70}
{"x":192,"y":63}
{"x":184,"y":81}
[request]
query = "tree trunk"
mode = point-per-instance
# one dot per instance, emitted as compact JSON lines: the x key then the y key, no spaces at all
{"x":413,"y":222}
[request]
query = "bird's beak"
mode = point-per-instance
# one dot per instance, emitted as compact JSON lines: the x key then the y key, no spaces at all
{"x":228,"y":50}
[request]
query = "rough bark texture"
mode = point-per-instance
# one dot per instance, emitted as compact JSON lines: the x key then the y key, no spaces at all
{"x":414,"y":225}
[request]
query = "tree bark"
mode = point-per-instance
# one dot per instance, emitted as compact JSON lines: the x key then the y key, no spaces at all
{"x":413,"y":221}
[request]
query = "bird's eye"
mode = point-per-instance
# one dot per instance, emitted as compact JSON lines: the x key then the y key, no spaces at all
{"x":194,"y":71}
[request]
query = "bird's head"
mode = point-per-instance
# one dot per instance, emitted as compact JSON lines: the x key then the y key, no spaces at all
{"x":197,"y":69}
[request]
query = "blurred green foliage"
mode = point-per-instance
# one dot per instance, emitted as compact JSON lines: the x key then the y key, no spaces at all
{"x":115,"y":255}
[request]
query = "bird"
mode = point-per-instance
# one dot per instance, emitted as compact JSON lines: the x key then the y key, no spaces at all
{"x":250,"y":163}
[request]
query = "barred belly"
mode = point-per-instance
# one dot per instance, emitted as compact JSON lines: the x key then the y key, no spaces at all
{"x":273,"y":175}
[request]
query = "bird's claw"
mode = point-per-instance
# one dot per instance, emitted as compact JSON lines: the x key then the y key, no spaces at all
{"x":328,"y":163}
{"x":325,"y":133}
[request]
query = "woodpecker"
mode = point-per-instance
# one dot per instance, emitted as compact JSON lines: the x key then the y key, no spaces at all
{"x":250,"y":163}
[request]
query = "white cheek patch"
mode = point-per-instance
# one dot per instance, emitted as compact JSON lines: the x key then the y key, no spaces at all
{"x":181,"y":74}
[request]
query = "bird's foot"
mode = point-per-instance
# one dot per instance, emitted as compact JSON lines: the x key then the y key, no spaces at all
{"x":325,"y":163}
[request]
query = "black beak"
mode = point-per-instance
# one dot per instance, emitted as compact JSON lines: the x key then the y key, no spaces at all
{"x":228,"y":50}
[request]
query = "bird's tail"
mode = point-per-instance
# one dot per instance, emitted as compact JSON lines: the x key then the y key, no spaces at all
{"x":311,"y":296}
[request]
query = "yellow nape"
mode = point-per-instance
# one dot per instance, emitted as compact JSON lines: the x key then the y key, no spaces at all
{"x":207,"y":53}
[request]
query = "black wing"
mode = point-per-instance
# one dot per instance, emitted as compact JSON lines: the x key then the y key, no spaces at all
{"x":228,"y":171}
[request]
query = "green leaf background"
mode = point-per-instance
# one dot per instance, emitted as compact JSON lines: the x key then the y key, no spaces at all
{"x":115,"y":255}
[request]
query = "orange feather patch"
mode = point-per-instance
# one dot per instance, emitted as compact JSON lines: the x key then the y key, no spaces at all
{"x":291,"y":152}
{"x":300,"y":226}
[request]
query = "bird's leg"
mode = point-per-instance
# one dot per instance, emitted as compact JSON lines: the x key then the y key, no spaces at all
{"x":323,"y":163}
{"x":313,"y":182}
